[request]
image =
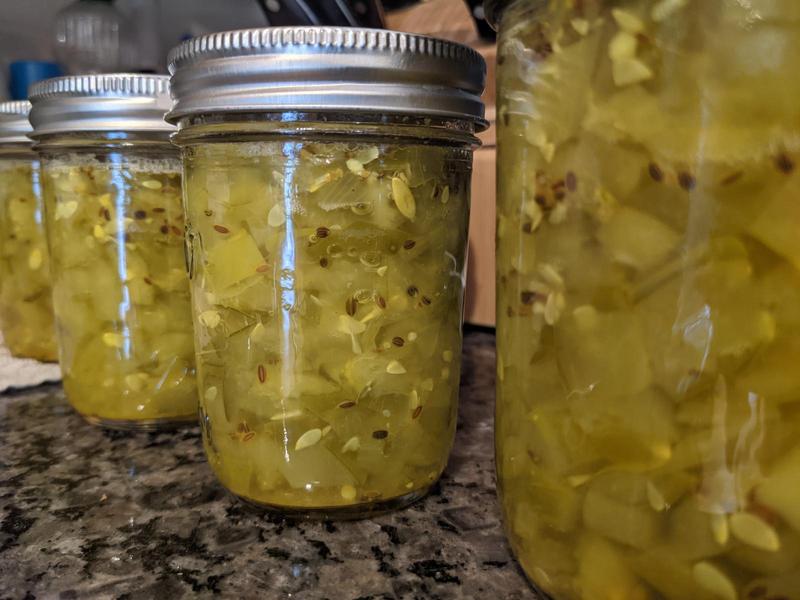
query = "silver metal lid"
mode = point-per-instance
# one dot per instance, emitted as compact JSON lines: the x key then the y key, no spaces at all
{"x":14,"y":124}
{"x":326,"y":69}
{"x":103,"y":103}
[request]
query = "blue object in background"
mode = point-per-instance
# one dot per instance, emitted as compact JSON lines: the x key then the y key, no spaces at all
{"x":25,"y":73}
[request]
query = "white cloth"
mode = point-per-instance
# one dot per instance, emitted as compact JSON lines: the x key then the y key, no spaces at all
{"x":24,"y":372}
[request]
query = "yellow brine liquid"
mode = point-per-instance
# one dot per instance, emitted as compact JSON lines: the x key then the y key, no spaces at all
{"x":26,"y":310}
{"x":327,"y":288}
{"x":648,"y":420}
{"x":121,"y":292}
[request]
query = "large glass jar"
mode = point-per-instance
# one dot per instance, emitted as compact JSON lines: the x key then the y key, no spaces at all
{"x":326,"y":252}
{"x":26,"y":309}
{"x":648,"y":416}
{"x":112,"y":190}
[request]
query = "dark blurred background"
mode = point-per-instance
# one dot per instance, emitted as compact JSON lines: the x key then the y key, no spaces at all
{"x":45,"y":38}
{"x":85,"y":36}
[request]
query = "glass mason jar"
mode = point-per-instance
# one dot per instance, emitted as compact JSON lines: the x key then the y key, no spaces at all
{"x":648,"y":415}
{"x":112,"y":190}
{"x":326,"y":253}
{"x":26,"y":308}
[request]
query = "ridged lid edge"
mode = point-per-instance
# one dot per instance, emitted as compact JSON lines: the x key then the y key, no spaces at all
{"x":17,"y":108}
{"x":326,"y":69}
{"x":115,"y":84}
{"x":242,"y":42}
{"x":124,"y":102}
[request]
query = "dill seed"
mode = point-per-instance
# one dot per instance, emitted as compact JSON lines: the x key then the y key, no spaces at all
{"x":262,"y":373}
{"x":398,"y":341}
{"x":412,"y":290}
{"x":527,"y":297}
{"x":350,"y":306}
{"x":249,"y":436}
{"x":380,"y":301}
{"x":655,"y":172}
{"x":221,"y":229}
{"x":784,"y":163}
{"x":426,"y":301}
{"x":208,"y":213}
{"x":380,"y":434}
{"x":409,"y":244}
{"x":323,"y":262}
{"x":140,"y":214}
{"x":148,"y":281}
{"x":417,"y":412}
{"x":571,"y":180}
{"x":686,"y":181}
{"x":732,"y":178}
{"x":164,"y":229}
{"x":262,"y":268}
{"x":176,"y":230}
{"x":158,"y":209}
{"x":106,"y":214}
{"x":322,"y":232}
{"x":348,"y":404}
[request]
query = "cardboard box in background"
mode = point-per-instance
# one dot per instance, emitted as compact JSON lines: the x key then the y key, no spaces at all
{"x":480,"y":301}
{"x":450,"y":19}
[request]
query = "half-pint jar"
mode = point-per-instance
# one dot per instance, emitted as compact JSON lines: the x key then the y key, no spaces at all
{"x":327,"y":191}
{"x":112,"y":189}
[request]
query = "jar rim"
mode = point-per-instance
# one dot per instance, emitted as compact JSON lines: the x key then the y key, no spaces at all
{"x":91,"y":142}
{"x":225,"y":127}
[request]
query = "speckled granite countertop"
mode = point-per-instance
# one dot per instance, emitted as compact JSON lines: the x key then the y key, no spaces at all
{"x":93,"y":514}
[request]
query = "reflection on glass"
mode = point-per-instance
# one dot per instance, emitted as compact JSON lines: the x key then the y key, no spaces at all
{"x":648,"y":428}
